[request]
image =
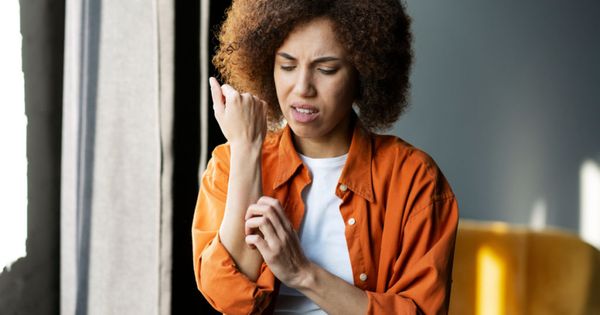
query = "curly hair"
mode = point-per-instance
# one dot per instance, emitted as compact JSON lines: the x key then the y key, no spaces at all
{"x":375,"y":33}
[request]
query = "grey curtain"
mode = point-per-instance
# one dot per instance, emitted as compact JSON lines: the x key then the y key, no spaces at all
{"x":117,"y":157}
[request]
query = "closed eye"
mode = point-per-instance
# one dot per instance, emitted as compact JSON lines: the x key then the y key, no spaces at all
{"x":287,"y":68}
{"x":327,"y":71}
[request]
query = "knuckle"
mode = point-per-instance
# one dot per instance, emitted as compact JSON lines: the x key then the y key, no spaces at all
{"x":246,"y":96}
{"x":261,"y":221}
{"x":259,"y":210}
{"x":267,"y":200}
{"x":253,"y":207}
{"x":276,"y":248}
{"x":236,"y":95}
{"x":274,"y":202}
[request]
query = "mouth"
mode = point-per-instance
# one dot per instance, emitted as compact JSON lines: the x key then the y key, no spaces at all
{"x":304,"y":113}
{"x":305,"y":108}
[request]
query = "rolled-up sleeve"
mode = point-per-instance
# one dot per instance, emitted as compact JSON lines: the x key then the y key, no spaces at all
{"x":226,"y":288}
{"x":421,"y":278}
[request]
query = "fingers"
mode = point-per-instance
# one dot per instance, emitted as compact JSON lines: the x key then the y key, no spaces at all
{"x":230,"y":94}
{"x":241,"y":117}
{"x":264,"y":106}
{"x":262,"y":206}
{"x":274,"y":203}
{"x":256,"y":241}
{"x":217,"y":96}
{"x":266,"y":219}
{"x":225,"y":94}
{"x":266,"y":228}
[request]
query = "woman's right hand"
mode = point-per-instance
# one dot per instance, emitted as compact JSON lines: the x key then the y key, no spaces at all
{"x":242,"y":117}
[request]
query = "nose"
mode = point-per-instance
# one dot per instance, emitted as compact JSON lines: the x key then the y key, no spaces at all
{"x":304,"y":85}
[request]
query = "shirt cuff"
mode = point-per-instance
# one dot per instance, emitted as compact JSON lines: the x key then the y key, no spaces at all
{"x":229,"y":290}
{"x":389,"y":303}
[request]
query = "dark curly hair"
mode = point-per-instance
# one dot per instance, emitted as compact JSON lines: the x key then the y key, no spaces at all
{"x":376,"y":34}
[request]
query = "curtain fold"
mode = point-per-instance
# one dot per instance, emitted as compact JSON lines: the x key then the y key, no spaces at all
{"x":117,"y":157}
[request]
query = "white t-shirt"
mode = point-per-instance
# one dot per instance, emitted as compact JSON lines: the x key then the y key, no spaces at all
{"x":322,"y":232}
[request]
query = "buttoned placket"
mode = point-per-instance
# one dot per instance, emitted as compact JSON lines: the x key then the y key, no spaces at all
{"x":352,"y":238}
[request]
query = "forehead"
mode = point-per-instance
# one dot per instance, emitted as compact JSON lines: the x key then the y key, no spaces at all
{"x":314,"y":38}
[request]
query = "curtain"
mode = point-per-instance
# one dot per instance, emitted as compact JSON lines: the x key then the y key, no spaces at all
{"x":116,"y":205}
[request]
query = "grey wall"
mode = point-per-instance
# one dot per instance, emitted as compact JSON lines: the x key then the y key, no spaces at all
{"x":505,"y":97}
{"x":31,"y":286}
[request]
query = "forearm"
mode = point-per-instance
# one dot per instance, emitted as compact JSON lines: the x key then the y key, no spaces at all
{"x":244,"y":188}
{"x":331,"y":293}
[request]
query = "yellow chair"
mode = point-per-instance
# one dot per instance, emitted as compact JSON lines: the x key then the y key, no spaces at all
{"x":501,"y":269}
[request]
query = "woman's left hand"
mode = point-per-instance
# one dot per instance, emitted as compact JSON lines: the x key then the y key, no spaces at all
{"x":268,"y":229}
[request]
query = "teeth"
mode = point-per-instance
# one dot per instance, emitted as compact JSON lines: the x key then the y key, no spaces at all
{"x":305,"y":111}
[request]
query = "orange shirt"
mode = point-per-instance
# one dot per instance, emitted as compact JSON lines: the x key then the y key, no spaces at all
{"x":401,"y":218}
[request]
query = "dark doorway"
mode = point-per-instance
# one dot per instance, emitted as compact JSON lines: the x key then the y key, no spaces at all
{"x":186,"y":299}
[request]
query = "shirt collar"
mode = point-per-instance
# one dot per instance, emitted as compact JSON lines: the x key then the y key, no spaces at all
{"x":287,"y":157}
{"x":356,"y":174}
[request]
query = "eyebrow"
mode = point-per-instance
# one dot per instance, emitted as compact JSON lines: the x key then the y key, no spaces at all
{"x":318,"y":60}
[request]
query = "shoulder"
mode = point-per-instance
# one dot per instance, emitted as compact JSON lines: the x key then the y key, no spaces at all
{"x":408,"y":164}
{"x":394,"y":150}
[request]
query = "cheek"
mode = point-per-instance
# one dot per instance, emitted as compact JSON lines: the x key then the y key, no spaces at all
{"x":278,"y":87}
{"x":279,"y":92}
{"x":281,"y":83}
{"x":345,"y":91}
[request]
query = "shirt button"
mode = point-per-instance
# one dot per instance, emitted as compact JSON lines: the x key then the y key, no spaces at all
{"x":343,"y":187}
{"x":363,"y":277}
{"x":351,"y":221}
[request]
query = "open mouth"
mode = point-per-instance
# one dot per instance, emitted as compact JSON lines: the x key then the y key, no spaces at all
{"x":306,"y":110}
{"x":304,"y":113}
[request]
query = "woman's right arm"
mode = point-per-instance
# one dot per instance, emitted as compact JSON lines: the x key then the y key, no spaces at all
{"x":244,"y":189}
{"x":218,"y":275}
{"x":230,"y":274}
{"x":242,"y":118}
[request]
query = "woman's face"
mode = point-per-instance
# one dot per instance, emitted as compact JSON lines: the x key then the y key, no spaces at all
{"x":315,"y":83}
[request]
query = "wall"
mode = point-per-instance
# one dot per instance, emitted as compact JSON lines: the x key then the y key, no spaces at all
{"x":505,"y":97}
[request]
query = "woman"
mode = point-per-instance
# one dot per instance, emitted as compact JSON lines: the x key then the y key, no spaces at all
{"x":319,"y":214}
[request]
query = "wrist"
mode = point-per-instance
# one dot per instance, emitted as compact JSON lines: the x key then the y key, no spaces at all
{"x":307,"y":278}
{"x":245,"y":148}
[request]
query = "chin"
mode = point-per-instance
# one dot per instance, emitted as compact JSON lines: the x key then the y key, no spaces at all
{"x":308,"y":131}
{"x":303,"y":131}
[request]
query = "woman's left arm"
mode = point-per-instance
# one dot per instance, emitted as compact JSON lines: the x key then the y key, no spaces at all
{"x":331,"y":293}
{"x":423,"y":283}
{"x":423,"y":286}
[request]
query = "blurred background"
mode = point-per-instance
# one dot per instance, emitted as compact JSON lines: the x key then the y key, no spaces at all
{"x":108,"y":127}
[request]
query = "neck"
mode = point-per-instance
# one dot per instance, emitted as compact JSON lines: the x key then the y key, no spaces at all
{"x":335,"y":144}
